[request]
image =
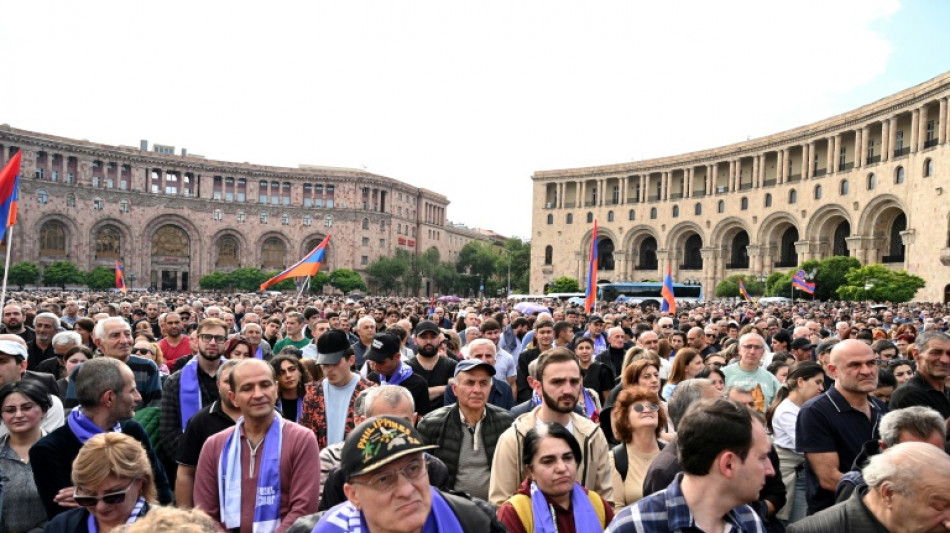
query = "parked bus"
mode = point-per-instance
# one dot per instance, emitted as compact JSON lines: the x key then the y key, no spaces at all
{"x":562,"y":296}
{"x":647,"y":294}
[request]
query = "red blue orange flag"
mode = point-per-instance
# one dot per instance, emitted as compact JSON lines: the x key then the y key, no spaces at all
{"x":800,"y":283}
{"x":120,"y":278}
{"x":9,"y":193}
{"x":743,"y":292}
{"x":669,"y":300}
{"x":308,"y":266}
{"x":590,"y":297}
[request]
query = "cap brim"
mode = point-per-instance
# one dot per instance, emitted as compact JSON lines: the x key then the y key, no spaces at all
{"x":375,"y":356}
{"x":391,"y":458}
{"x":329,"y":358}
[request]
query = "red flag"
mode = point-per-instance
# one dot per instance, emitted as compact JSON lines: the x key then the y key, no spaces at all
{"x":590,"y":297}
{"x":9,"y":192}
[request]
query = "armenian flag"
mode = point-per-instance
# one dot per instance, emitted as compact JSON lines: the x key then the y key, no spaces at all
{"x":308,"y":266}
{"x":591,"y":295}
{"x":9,"y":193}
{"x":743,"y":292}
{"x":669,"y":300}
{"x":120,"y":278}
{"x":800,"y":283}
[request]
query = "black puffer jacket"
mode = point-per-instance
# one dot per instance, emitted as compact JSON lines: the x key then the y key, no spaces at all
{"x":443,"y":427}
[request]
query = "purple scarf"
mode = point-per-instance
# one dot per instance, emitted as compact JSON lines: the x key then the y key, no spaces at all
{"x":189,"y":392}
{"x":267,"y":498}
{"x":259,"y":352}
{"x":401,"y":374}
{"x":585,"y":517}
{"x":83,"y":428}
{"x":345,"y":518}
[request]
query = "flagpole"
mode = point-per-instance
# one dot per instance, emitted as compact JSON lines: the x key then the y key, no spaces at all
{"x":303,"y":285}
{"x":6,"y":268}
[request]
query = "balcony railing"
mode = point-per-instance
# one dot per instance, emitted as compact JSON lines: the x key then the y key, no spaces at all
{"x":569,"y":205}
{"x":893,"y":258}
{"x":613,"y":202}
{"x":930,"y":143}
{"x":820,"y":172}
{"x":732,"y":266}
{"x":846,"y":167}
{"x":901,"y":152}
{"x":676,"y":196}
{"x":633,"y":200}
{"x":722,"y":190}
{"x":792,"y":178}
{"x":874,"y":159}
{"x":699,"y":194}
{"x":745,"y":186}
{"x":590,"y":203}
{"x":550,"y":205}
{"x":769,"y":183}
{"x":653,"y":198}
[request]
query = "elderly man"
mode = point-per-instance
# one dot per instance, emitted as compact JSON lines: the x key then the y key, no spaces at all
{"x":62,"y":342}
{"x":365,"y":331}
{"x":749,"y":374}
{"x":612,"y":357}
{"x":466,"y":432}
{"x":832,"y":428}
{"x":500,"y":394}
{"x":929,"y":386}
{"x":46,"y":325}
{"x":908,"y":491}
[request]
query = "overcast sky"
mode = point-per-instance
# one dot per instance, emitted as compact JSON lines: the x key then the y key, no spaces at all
{"x":465,"y":98}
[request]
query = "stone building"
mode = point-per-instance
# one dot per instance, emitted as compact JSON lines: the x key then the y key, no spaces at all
{"x":172,"y":218}
{"x":867,"y":183}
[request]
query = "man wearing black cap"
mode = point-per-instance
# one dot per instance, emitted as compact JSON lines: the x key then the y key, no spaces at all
{"x":427,"y":363}
{"x":328,"y":404}
{"x":384,"y":354}
{"x":801,"y":349}
{"x":387,"y":484}
{"x":466,"y":432}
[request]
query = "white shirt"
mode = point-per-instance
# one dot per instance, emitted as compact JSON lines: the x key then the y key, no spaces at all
{"x":783,"y":424}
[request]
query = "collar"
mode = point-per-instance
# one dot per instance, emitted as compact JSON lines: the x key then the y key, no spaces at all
{"x":841,"y":404}
{"x":919,"y":379}
{"x":479,"y":421}
{"x":680,"y":518}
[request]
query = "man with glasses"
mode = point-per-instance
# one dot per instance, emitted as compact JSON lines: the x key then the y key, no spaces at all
{"x":748,"y":373}
{"x":188,"y":390}
{"x":665,"y":327}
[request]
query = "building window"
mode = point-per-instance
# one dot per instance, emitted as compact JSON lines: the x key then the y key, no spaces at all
{"x":843,"y":157}
{"x":676,"y":211}
{"x":721,"y":206}
{"x":241,"y":217}
{"x":610,"y":216}
{"x":263,"y":218}
{"x":872,"y":181}
{"x":548,"y":255}
{"x":70,"y":200}
{"x":285,"y":219}
{"x":98,"y":204}
{"x":382,"y":243}
{"x":39,"y":174}
{"x":96,"y":181}
{"x":42,"y":196}
{"x":793,"y":196}
{"x":306,"y":220}
{"x":218,"y":215}
{"x":590,"y":217}
{"x":70,"y":177}
{"x":366,"y":223}
{"x":817,"y":192}
{"x":274,"y":193}
{"x":698,"y":209}
{"x":364,"y":260}
{"x":632,"y":215}
{"x":382,"y":225}
{"x":898,"y":142}
{"x":262,"y":192}
{"x":365,"y":241}
{"x":652,"y":213}
{"x":768,"y":199}
{"x":570,"y":218}
{"x":744,"y":203}
{"x":899,"y":175}
{"x":550,"y":219}
{"x":124,"y":206}
{"x":928,"y":168}
{"x":844,"y":187}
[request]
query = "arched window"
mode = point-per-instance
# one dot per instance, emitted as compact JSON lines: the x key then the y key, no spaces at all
{"x":605,"y":254}
{"x":652,"y":213}
{"x":570,"y":218}
{"x":817,"y":192}
{"x":647,"y":254}
{"x":872,"y":181}
{"x":698,"y":209}
{"x":928,"y":168}
{"x":721,"y":206}
{"x":610,"y":216}
{"x":899,"y":175}
{"x":550,"y":219}
{"x":632,"y":215}
{"x":843,"y":189}
{"x":548,"y":254}
{"x":768,"y":199}
{"x":792,"y":196}
{"x":53,"y":239}
{"x":228,"y":251}
{"x":744,"y":203}
{"x":676,"y":211}
{"x":365,"y":223}
{"x":70,"y":200}
{"x":42,"y":196}
{"x":590,"y":217}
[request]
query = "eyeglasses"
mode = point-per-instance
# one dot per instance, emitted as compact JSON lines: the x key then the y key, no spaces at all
{"x":667,"y":326}
{"x":204,"y":337}
{"x":652,"y":407}
{"x":752,"y":347}
{"x":142,"y":351}
{"x":109,"y":499}
{"x":385,"y":481}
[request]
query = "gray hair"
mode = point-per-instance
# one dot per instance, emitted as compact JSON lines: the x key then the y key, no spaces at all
{"x":64,"y":338}
{"x":96,"y":377}
{"x":919,"y":421}
{"x":100,"y":329}
{"x":481,"y":342}
{"x":687,"y":393}
{"x":365,"y":319}
{"x":391,"y":394}
{"x":48,"y":316}
{"x":249,"y":324}
{"x":905,"y":464}
{"x":230,"y":363}
{"x":925,"y":338}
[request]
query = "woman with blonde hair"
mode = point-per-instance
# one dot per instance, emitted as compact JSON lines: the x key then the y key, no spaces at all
{"x":113,"y":486}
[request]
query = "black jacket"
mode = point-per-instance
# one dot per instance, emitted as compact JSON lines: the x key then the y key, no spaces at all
{"x":443,"y":427}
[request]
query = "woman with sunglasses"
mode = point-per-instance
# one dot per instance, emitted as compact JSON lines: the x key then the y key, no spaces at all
{"x":113,"y":486}
{"x":23,"y":405}
{"x":150,"y":350}
{"x":637,"y":423}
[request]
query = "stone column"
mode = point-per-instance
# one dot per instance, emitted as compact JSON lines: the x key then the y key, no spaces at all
{"x":755,"y":171}
{"x":642,"y":193}
{"x":885,"y":140}
{"x":688,"y":182}
{"x":780,"y":166}
{"x":712,"y":178}
{"x":907,"y":238}
{"x":942,"y":122}
{"x":733,"y":182}
{"x":922,"y":133}
{"x":807,"y":150}
{"x":860,"y":145}
{"x":892,"y":137}
{"x":580,"y":192}
{"x":914,"y":126}
{"x":623,"y":190}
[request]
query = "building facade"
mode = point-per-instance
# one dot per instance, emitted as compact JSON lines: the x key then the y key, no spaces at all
{"x":868,"y":183}
{"x":172,"y":219}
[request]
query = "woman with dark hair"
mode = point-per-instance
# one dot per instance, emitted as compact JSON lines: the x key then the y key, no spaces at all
{"x":23,"y":405}
{"x":74,"y":357}
{"x":292,"y":381}
{"x":806,"y":380}
{"x":779,"y":369}
{"x":84,"y":327}
{"x":238,"y":347}
{"x":637,"y":423}
{"x":903,"y":370}
{"x":549,"y":499}
{"x":714,"y":375}
{"x":597,"y":376}
{"x":687,"y":363}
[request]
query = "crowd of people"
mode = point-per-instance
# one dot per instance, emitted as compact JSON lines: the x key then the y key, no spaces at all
{"x":266,"y":413}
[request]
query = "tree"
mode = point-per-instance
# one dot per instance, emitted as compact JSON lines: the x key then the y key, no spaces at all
{"x":479,"y":259}
{"x":385,"y":273}
{"x":518,"y":252}
{"x":829,"y":274}
{"x":446,"y":278}
{"x":564,"y":284}
{"x":346,"y":280}
{"x":23,"y":273}
{"x":62,"y":273}
{"x":318,"y":281}
{"x":729,"y":287}
{"x":215,"y":281}
{"x":249,"y":279}
{"x":877,"y":283}
{"x":100,"y":278}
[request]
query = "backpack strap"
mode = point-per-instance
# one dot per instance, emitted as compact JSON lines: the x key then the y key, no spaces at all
{"x":598,"y":503}
{"x":522,"y":505}
{"x":621,"y":461}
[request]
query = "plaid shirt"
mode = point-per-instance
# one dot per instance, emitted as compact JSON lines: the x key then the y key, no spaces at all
{"x":667,"y":511}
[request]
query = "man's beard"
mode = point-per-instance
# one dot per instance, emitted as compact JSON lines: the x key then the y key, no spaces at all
{"x":428,"y":350}
{"x":554,"y":405}
{"x":204,"y":355}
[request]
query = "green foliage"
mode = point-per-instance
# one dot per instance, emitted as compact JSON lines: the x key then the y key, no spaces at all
{"x":520,"y":255}
{"x":60,"y":274}
{"x":249,"y":279}
{"x":564,"y":284}
{"x":318,"y":281}
{"x":877,"y":283}
{"x":385,"y":274}
{"x":729,"y":287}
{"x":776,"y":283}
{"x":347,"y":280}
{"x":23,"y":273}
{"x":830,"y":274}
{"x":446,"y":278}
{"x":215,"y":281}
{"x":100,"y":278}
{"x":478,"y":258}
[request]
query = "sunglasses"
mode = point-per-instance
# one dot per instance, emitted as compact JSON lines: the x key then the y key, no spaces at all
{"x":112,"y":498}
{"x":142,"y":351}
{"x":652,"y":407}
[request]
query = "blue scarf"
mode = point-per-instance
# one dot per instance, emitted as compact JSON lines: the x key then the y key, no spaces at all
{"x":401,"y":374}
{"x":267,"y":499}
{"x":93,"y":527}
{"x":345,"y":518}
{"x":585,"y":517}
{"x":83,"y":428}
{"x":189,"y":392}
{"x":259,"y":352}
